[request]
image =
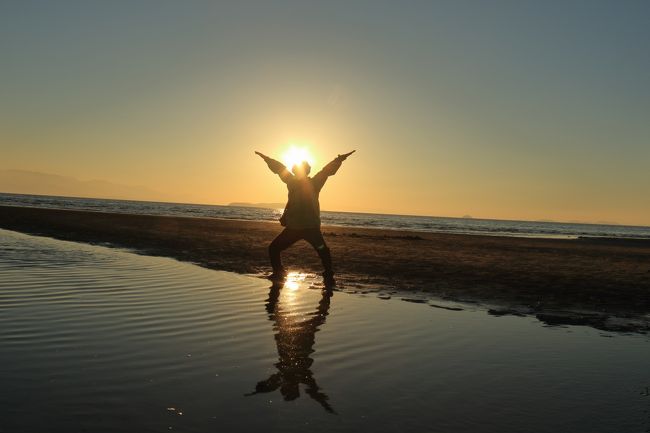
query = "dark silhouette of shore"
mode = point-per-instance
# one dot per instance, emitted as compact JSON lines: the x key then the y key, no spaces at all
{"x":609,"y":276}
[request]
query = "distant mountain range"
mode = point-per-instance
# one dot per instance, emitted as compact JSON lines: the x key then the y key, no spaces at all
{"x":261,"y":205}
{"x":32,"y":182}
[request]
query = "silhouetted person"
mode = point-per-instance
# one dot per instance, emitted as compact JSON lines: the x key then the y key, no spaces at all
{"x":295,"y":339}
{"x":301,"y":217}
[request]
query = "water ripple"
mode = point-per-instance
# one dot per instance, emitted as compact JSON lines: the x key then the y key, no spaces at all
{"x":88,"y":333}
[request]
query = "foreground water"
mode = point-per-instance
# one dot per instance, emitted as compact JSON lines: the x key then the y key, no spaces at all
{"x":545,"y":229}
{"x":95,"y":339}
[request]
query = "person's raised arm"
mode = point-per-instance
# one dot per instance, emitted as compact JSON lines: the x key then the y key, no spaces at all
{"x":332,"y":167}
{"x":276,"y":167}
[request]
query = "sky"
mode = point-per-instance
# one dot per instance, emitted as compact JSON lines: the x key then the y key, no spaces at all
{"x":507,"y":109}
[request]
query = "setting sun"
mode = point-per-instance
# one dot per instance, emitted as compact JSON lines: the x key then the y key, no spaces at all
{"x":295,"y":155}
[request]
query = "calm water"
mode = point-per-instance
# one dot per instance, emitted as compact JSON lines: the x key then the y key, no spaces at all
{"x":95,"y":339}
{"x":348,"y":219}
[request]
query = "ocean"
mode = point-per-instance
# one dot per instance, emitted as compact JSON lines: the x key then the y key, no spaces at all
{"x":431,"y":224}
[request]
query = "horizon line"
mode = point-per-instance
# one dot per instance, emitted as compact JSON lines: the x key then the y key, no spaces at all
{"x":235,"y":204}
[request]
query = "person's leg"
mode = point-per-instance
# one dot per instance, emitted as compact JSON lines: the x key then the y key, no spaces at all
{"x":315,"y":239}
{"x":283,"y":241}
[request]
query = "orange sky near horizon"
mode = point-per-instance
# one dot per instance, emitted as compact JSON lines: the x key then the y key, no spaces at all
{"x":453,"y":111}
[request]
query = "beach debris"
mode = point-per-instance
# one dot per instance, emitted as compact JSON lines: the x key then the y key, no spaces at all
{"x":445,"y":307}
{"x":411,"y":238}
{"x":384,"y":296}
{"x":467,"y":300}
{"x":498,"y":312}
{"x":597,"y":320}
{"x":415,"y":300}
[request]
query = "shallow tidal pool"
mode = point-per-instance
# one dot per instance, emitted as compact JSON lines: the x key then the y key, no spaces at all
{"x":97,"y":339}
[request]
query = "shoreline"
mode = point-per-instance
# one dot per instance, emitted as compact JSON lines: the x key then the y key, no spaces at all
{"x":327,"y":221}
{"x":598,"y":277}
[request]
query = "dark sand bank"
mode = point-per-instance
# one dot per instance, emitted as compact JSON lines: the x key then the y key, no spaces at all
{"x":522,"y":276}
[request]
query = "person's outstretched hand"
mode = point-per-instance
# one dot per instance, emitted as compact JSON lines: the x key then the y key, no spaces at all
{"x":345,"y":155}
{"x":275,"y":166}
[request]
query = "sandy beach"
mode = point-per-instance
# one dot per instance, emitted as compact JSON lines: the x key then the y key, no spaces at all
{"x":599,"y":275}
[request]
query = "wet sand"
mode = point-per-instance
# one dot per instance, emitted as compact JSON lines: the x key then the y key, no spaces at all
{"x":517,"y":274}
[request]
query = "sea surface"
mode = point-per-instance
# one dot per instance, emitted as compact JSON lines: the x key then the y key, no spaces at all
{"x":346,"y":219}
{"x":102,"y":340}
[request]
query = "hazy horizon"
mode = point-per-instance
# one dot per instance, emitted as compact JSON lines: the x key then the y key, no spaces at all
{"x":136,"y":197}
{"x":508,"y":110}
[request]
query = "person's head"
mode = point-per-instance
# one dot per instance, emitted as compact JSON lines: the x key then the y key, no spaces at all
{"x":301,"y":170}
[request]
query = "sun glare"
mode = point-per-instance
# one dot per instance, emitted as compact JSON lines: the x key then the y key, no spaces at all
{"x":293,"y":280}
{"x":296,"y":155}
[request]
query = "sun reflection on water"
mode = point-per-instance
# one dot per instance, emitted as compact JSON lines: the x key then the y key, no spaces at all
{"x":295,"y":324}
{"x":294,"y":280}
{"x":291,"y":285}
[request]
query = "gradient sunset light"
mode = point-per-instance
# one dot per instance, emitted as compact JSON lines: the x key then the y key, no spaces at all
{"x":511,"y":110}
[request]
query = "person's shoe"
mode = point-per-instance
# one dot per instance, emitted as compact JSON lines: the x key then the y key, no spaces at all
{"x":328,"y":279}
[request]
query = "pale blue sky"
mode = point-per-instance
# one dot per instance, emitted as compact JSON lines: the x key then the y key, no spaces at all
{"x":497,"y":109}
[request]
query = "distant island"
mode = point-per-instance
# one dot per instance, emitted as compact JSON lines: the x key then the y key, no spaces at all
{"x":259,"y":205}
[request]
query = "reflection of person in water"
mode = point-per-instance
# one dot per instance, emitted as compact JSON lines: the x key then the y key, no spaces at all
{"x":295,"y":341}
{"x":301,"y":217}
